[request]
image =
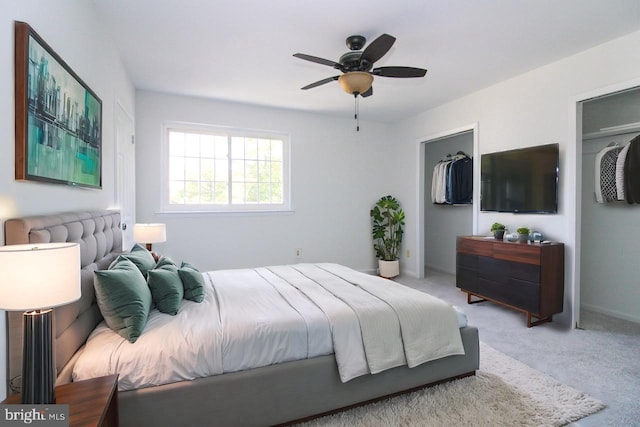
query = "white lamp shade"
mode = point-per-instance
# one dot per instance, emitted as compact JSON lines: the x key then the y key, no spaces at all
{"x":37,"y":276}
{"x":150,"y":233}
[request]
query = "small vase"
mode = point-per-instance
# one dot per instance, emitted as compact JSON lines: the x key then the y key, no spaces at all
{"x":498,"y":234}
{"x":523,"y":238}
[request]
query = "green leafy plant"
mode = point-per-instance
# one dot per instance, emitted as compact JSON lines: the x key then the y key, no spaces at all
{"x":388,"y":227}
{"x":497,"y":226}
{"x":523,"y":230}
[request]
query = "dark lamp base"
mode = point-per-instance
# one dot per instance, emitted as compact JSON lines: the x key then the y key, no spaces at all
{"x":38,"y":372}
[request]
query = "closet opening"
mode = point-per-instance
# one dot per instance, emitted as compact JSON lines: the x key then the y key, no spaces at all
{"x":609,"y":288}
{"x":447,"y":200}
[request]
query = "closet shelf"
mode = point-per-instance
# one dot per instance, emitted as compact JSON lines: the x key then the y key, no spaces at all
{"x":613,"y":130}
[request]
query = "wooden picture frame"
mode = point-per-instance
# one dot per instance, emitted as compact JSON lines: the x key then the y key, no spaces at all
{"x":58,"y":135}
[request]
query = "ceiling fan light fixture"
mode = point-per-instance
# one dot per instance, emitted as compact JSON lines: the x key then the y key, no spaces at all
{"x":356,"y":82}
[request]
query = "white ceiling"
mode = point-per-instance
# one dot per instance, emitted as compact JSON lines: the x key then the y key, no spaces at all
{"x":241,"y":50}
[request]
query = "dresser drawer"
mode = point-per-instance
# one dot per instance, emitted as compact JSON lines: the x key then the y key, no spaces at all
{"x":475,"y":247}
{"x":518,"y":252}
{"x":467,"y":279}
{"x":522,"y":271}
{"x":524,"y":294}
{"x":467,"y":261}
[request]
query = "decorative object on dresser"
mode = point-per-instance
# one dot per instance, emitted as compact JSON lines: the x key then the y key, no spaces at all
{"x":498,"y":230}
{"x":149,"y":233}
{"x":36,"y":278}
{"x":528,"y":278}
{"x":388,"y":228}
{"x":536,"y":236}
{"x":523,"y":234}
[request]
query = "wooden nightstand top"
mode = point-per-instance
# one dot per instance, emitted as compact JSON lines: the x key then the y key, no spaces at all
{"x":91,"y":402}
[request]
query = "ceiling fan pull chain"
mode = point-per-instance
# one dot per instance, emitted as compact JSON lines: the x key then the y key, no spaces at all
{"x":357,"y":112}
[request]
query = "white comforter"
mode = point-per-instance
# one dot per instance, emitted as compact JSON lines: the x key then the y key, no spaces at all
{"x":257,"y":317}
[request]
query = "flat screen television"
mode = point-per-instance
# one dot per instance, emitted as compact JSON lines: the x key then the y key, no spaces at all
{"x":520,"y":181}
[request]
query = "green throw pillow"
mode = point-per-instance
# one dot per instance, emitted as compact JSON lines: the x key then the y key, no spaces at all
{"x":123,"y":297}
{"x":166,"y":288}
{"x":186,"y":264}
{"x":165,"y":261}
{"x":141,"y":257}
{"x":192,"y":281}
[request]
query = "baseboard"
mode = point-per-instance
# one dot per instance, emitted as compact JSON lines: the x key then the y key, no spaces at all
{"x":612,"y":313}
{"x":409,"y":273}
{"x":438,"y":270}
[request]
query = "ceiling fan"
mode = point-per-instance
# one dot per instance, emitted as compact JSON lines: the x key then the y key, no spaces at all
{"x":357,"y":65}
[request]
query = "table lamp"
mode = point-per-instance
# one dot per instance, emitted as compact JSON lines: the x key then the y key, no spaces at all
{"x":36,"y":278}
{"x":149,"y":233}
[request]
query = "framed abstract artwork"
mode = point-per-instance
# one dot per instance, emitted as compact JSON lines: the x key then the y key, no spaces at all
{"x":58,"y":117}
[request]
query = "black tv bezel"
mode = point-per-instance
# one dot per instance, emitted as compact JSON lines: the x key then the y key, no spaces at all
{"x":525,"y":149}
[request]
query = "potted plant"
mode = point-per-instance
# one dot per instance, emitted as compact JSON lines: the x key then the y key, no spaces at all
{"x":498,"y":230}
{"x":523,"y":234}
{"x":388,"y":227}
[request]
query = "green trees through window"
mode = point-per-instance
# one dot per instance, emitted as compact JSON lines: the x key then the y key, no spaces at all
{"x":213,"y":170}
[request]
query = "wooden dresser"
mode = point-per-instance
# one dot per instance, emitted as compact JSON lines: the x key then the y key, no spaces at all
{"x":528,"y":277}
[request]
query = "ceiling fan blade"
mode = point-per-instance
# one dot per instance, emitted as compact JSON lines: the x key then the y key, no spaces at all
{"x":318,"y":60}
{"x":320,"y":82}
{"x":402,"y":72}
{"x":369,"y":92}
{"x":378,"y":48}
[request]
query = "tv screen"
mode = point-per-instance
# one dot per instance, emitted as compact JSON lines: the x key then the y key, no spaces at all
{"x":520,"y":181}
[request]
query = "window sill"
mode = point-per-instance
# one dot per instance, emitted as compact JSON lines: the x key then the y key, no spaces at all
{"x":264,"y":212}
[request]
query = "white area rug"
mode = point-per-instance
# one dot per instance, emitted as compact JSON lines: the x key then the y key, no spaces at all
{"x":505,"y":392}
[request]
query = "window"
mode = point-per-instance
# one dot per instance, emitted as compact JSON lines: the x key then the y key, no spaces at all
{"x":219,"y":169}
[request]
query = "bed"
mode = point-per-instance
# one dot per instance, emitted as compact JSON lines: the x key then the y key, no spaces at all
{"x":268,"y":395}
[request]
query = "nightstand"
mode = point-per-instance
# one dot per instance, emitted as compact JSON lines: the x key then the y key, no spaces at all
{"x":91,"y":402}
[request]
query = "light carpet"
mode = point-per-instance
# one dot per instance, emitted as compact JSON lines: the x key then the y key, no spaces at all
{"x":505,"y":392}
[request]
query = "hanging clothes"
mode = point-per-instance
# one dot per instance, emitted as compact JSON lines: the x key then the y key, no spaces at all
{"x":452,"y":180}
{"x":441,"y":191}
{"x":632,"y":172}
{"x":620,"y":175}
{"x":462,"y":181}
{"x":605,"y":174}
{"x":617,"y":173}
{"x":435,"y":179}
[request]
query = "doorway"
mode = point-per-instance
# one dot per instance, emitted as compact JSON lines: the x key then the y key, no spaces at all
{"x":125,"y":174}
{"x":608,"y":233}
{"x":440,"y":223}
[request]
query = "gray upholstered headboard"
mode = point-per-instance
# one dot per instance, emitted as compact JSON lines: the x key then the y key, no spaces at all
{"x":100,"y":239}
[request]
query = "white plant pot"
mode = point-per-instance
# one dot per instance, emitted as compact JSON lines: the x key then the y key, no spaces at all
{"x":388,"y":269}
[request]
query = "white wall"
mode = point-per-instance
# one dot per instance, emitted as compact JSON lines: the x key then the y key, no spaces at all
{"x":73,"y":30}
{"x":337,"y":174}
{"x":530,"y":109}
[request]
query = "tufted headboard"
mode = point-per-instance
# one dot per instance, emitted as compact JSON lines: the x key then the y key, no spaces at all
{"x":100,"y":239}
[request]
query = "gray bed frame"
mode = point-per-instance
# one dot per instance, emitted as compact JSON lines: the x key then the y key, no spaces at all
{"x":270,"y":395}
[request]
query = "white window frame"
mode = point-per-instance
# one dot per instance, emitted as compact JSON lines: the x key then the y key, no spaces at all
{"x":230,"y":207}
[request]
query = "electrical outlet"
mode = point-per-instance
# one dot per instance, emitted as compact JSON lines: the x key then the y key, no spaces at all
{"x":298,"y":253}
{"x":408,"y":253}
